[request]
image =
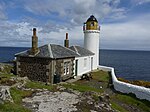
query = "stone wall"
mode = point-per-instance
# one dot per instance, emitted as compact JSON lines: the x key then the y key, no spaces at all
{"x":59,"y":68}
{"x":37,"y":69}
{"x":43,"y":69}
{"x":139,"y":91}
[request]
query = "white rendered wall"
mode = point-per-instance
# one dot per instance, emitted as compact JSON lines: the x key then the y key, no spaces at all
{"x":139,"y":91}
{"x":81,"y":69}
{"x":91,"y":42}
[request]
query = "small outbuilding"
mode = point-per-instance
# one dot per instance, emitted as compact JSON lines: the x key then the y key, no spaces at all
{"x":49,"y":63}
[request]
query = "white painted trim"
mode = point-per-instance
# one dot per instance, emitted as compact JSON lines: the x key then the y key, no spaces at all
{"x":139,"y":91}
{"x":21,"y":52}
{"x":91,"y":31}
{"x":50,"y":51}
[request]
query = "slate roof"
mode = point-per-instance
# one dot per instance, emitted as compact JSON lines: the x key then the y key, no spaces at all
{"x":50,"y":51}
{"x":81,"y":51}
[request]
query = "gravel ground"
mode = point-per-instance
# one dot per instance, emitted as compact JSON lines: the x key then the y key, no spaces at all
{"x":52,"y":102}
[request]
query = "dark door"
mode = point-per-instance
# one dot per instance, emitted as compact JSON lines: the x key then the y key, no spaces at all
{"x":76,"y":68}
{"x":91,"y":63}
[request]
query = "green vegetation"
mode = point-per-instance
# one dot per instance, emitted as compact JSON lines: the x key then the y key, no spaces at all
{"x":117,"y":107}
{"x":99,"y":78}
{"x":12,"y":107}
{"x":81,"y":88}
{"x":38,"y":85}
{"x":6,"y":68}
{"x":5,"y":75}
{"x":132,"y":100}
{"x":137,"y":82}
{"x":5,"y":79}
{"x":99,"y":84}
{"x":17,"y":96}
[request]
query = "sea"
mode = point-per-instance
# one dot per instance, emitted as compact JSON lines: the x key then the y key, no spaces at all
{"x":128,"y":64}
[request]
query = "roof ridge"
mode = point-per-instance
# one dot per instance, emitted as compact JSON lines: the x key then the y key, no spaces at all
{"x":76,"y":50}
{"x":22,"y":52}
{"x":69,"y":49}
{"x":50,"y":50}
{"x":86,"y":49}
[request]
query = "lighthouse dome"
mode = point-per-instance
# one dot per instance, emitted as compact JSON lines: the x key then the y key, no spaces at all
{"x":92,"y":18}
{"x":91,"y":24}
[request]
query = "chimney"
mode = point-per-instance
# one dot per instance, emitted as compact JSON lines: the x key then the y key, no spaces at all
{"x":66,"y":42}
{"x":34,"y":49}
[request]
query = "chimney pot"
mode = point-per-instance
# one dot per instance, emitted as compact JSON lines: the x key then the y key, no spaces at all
{"x":66,"y":41}
{"x":34,"y":48}
{"x":66,"y":36}
{"x":34,"y":31}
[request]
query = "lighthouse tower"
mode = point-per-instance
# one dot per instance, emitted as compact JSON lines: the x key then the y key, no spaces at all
{"x":91,"y":31}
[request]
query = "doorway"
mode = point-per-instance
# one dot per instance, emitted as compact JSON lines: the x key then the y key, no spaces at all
{"x":91,"y":63}
{"x":76,"y":67}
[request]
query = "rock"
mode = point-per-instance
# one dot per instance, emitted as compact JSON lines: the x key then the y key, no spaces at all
{"x":1,"y":68}
{"x":1,"y":102}
{"x":93,"y":111}
{"x":52,"y":101}
{"x":101,"y":87}
{"x":101,"y":98}
{"x":88,"y":93}
{"x":104,"y":98}
{"x":5,"y":94}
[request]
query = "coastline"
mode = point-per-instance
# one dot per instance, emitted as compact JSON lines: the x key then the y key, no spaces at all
{"x":95,"y":94}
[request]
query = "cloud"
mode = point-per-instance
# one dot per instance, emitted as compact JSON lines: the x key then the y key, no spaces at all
{"x":75,"y":11}
{"x":19,"y":34}
{"x":2,"y":11}
{"x":128,"y":35}
{"x":54,"y":18}
{"x":139,"y":2}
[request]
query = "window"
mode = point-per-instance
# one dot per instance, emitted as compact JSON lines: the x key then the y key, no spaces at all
{"x":66,"y":68}
{"x":85,"y":62}
{"x":92,"y":23}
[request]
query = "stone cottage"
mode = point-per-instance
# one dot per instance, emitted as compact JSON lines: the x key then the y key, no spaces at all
{"x":51,"y":62}
{"x":45,"y":63}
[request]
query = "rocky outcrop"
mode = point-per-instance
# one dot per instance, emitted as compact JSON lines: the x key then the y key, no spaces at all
{"x":5,"y":68}
{"x":66,"y":100}
{"x":52,"y":102}
{"x":5,"y":94}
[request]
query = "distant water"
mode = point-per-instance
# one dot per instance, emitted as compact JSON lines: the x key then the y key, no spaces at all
{"x":7,"y":53}
{"x":131,"y":65}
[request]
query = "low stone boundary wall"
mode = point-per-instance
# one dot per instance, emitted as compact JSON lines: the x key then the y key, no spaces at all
{"x":139,"y":91}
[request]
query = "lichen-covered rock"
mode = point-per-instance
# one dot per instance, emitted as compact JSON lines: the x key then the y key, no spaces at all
{"x":5,"y":94}
{"x":52,"y":102}
{"x":1,"y":68}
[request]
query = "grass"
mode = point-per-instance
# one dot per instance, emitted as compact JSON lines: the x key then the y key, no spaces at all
{"x":5,"y":79}
{"x":136,"y":82}
{"x":17,"y":96}
{"x":117,"y":107}
{"x":81,"y":88}
{"x":12,"y":107}
{"x":7,"y":75}
{"x":100,"y":76}
{"x":38,"y":85}
{"x":7,"y":68}
{"x":132,"y":100}
{"x":84,"y":86}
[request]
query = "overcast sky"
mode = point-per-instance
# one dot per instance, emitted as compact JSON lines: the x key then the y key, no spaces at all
{"x":125,"y":24}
